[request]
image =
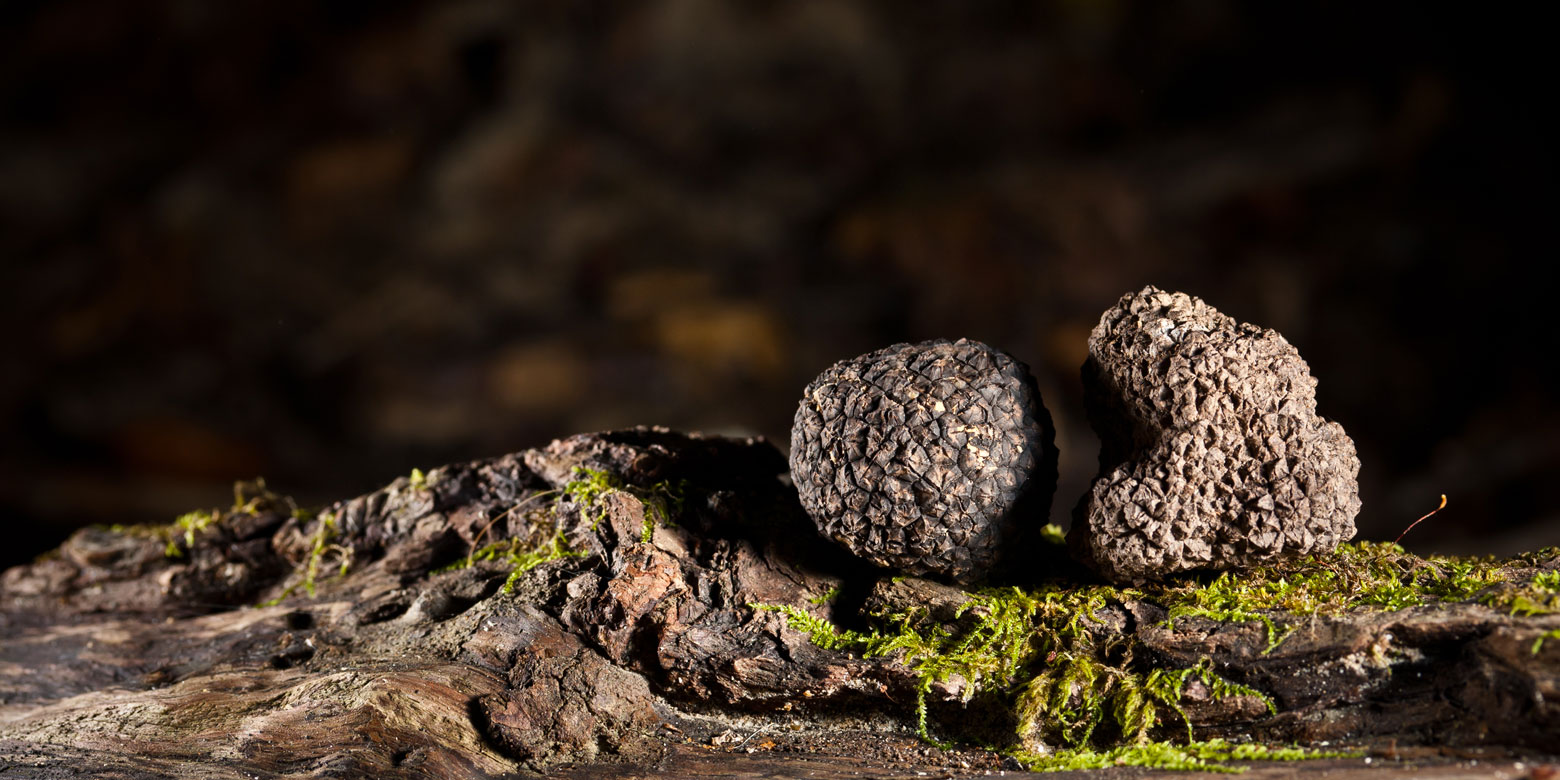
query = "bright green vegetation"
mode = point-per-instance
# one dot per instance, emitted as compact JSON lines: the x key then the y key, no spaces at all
{"x":661,"y":500}
{"x":187,"y":526}
{"x":521,"y":556}
{"x":1538,"y":644}
{"x":1034,"y":650}
{"x":1204,"y":756}
{"x":323,"y":543}
{"x":1379,"y":575}
{"x":546,"y":541}
{"x":1081,"y":697}
{"x":249,"y":497}
{"x":252,"y":497}
{"x":418,"y":480}
{"x":828,"y":596}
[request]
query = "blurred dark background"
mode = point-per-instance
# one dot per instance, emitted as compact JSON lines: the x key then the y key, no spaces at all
{"x":328,"y":242}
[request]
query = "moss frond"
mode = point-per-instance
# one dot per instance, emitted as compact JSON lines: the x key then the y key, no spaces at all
{"x":187,"y":526}
{"x":827,"y":597}
{"x":1071,"y":684}
{"x":662,"y":501}
{"x":322,"y":544}
{"x":1204,"y":756}
{"x":1376,"y":575}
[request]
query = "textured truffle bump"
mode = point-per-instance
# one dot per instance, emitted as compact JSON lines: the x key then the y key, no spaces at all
{"x":1212,"y":455}
{"x":921,"y":457}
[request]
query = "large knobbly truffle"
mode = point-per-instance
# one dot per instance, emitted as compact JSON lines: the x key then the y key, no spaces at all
{"x":1212,"y":455}
{"x":921,"y":457}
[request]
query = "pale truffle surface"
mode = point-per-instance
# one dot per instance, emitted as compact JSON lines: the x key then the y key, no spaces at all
{"x":922,"y":457}
{"x":1212,"y":455}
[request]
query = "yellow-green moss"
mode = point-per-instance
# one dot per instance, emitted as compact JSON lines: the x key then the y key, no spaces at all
{"x":1538,"y":643}
{"x":187,"y":526}
{"x":826,"y":597}
{"x":322,"y":543}
{"x":1034,"y":648}
{"x":662,"y":501}
{"x":249,"y":497}
{"x":521,"y":556}
{"x":1377,"y":575}
{"x":1196,"y":756}
{"x":1080,"y":699}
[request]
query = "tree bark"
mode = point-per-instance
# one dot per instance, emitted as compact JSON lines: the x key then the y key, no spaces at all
{"x":641,"y":650}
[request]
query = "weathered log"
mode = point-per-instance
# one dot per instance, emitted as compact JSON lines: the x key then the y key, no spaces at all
{"x":630,"y":639}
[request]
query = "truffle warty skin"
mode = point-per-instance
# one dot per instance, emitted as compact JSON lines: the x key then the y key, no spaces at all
{"x":925,"y":458}
{"x":1212,"y":454}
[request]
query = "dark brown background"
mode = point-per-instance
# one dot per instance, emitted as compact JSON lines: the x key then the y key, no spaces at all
{"x":329,"y":242}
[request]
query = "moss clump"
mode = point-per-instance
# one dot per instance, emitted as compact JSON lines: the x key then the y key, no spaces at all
{"x":1082,"y":697}
{"x":546,"y":541}
{"x":1035,"y":649}
{"x":521,"y":556}
{"x":523,"y":553}
{"x":322,"y":544}
{"x":827,"y":597}
{"x":252,"y":497}
{"x":187,"y":526}
{"x":249,"y":497}
{"x":1074,"y":694}
{"x":662,"y":500}
{"x":1203,"y":756}
{"x":1538,"y":643}
{"x":1377,"y":575}
{"x":418,"y":480}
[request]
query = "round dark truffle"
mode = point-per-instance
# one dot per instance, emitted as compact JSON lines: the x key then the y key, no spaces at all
{"x":921,"y":457}
{"x":1212,"y":455}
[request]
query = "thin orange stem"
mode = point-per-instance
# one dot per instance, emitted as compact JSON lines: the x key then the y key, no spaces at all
{"x":1420,"y":520}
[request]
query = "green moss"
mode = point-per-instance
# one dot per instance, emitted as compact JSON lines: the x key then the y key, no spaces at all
{"x":587,"y":488}
{"x":1538,"y":643}
{"x":1362,"y":575}
{"x":828,"y":597}
{"x":662,"y":500}
{"x":249,"y":497}
{"x":1035,"y":649}
{"x":1204,"y":756}
{"x":525,"y":552}
{"x":1080,"y":696}
{"x":1009,"y":629}
{"x":252,"y":496}
{"x":545,"y":540}
{"x":522,"y":557}
{"x":1051,"y":533}
{"x":142,"y":530}
{"x":187,"y":526}
{"x":418,"y":480}
{"x":322,"y":544}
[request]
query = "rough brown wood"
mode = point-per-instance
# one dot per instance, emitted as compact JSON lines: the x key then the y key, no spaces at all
{"x":119,"y":661}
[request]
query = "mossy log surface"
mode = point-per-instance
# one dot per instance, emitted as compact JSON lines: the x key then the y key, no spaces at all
{"x":140,"y":652}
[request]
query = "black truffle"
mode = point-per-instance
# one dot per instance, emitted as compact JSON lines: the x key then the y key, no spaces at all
{"x":1212,"y":455}
{"x":921,"y":457}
